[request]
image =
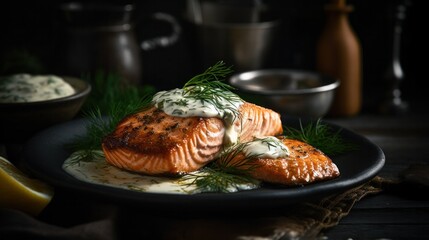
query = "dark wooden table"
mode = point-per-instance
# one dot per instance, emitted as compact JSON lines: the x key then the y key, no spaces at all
{"x":400,"y":212}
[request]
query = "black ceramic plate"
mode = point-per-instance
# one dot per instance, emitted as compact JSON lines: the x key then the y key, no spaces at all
{"x":45,"y":153}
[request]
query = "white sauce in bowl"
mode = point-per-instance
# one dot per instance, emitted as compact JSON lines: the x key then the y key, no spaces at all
{"x":33,"y":88}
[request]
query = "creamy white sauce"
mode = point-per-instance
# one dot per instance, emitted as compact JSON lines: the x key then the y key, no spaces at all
{"x":267,"y":147}
{"x":176,"y":103}
{"x":98,"y":171}
{"x":33,"y":88}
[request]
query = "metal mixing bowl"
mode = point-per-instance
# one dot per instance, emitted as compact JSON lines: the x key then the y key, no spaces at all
{"x":289,"y":92}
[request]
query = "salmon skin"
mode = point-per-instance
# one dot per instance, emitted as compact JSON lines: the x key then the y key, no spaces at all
{"x":305,"y":164}
{"x":154,"y":143}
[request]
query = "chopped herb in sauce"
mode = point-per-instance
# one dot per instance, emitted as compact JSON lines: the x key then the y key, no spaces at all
{"x":33,"y":88}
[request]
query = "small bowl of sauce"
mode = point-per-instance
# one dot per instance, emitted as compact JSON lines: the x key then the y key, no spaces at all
{"x":28,"y":88}
{"x":30,"y":103}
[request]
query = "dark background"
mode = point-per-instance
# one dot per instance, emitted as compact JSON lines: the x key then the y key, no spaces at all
{"x":31,"y":28}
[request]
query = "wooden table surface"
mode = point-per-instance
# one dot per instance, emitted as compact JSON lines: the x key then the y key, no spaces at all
{"x":397,"y":213}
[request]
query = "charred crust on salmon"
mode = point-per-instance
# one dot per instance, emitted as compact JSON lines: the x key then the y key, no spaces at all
{"x":153,"y":132}
{"x":172,"y":127}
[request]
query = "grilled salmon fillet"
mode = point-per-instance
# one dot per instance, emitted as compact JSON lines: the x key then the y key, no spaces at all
{"x":152,"y":142}
{"x":305,"y":164}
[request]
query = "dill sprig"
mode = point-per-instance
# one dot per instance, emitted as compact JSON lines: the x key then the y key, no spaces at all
{"x":210,"y":87}
{"x":320,"y":136}
{"x":102,"y":124}
{"x":110,"y":103}
{"x":229,"y":173}
{"x":212,"y":180}
{"x":232,"y":160}
{"x":212,"y":78}
{"x":108,"y":90}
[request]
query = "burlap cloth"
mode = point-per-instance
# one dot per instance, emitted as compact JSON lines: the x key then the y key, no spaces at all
{"x":300,"y":221}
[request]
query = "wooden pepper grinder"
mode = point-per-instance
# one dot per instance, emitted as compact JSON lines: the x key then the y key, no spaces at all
{"x":339,"y":56}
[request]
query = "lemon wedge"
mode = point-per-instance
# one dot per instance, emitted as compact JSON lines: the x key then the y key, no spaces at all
{"x":19,"y":191}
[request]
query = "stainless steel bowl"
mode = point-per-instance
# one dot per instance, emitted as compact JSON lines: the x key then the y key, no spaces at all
{"x":289,"y":92}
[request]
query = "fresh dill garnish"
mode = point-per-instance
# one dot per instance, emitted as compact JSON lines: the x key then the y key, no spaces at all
{"x":182,"y":102}
{"x":210,"y":87}
{"x":232,"y":160}
{"x":229,"y":173}
{"x":108,"y":90}
{"x":99,"y":126}
{"x":213,"y":180}
{"x":211,"y":79}
{"x":108,"y":105}
{"x":320,"y":136}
